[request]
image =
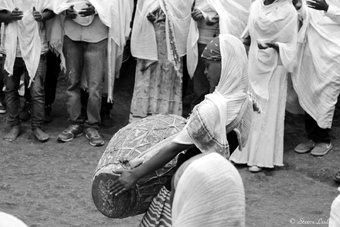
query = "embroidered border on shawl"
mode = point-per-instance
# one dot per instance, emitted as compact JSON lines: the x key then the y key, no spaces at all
{"x":202,"y":138}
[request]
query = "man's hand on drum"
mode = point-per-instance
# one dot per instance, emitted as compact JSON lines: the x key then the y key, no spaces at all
{"x":124,"y":183}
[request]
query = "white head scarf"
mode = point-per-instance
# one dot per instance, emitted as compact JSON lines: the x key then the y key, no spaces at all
{"x":7,"y":220}
{"x":208,"y":192}
{"x":221,"y":107}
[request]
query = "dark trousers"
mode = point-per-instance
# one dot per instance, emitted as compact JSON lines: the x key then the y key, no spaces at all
{"x":52,"y":74}
{"x":36,"y":91}
{"x":51,"y":79}
{"x":314,"y":132}
{"x":2,"y":83}
{"x":200,"y":82}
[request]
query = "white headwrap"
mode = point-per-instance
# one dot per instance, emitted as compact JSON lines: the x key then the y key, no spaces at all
{"x":209,"y":192}
{"x":221,"y":107}
{"x":143,"y":38}
{"x":7,"y":220}
{"x":26,"y":31}
{"x":334,"y":219}
{"x":233,"y":20}
{"x":274,"y":23}
{"x":316,"y":76}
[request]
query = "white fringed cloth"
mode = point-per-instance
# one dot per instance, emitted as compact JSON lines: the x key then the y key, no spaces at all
{"x":143,"y":38}
{"x":233,"y":17}
{"x":209,"y":192}
{"x":270,"y":24}
{"x":316,"y":77}
{"x":334,"y":219}
{"x":26,"y":31}
{"x":8,"y":220}
{"x":116,"y":15}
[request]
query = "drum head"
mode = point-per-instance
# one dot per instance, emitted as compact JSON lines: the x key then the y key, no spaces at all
{"x":110,"y":205}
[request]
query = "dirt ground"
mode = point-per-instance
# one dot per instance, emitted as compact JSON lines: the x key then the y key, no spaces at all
{"x":49,"y":184}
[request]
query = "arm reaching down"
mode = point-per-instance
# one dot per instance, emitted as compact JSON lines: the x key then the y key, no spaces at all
{"x":129,"y":178}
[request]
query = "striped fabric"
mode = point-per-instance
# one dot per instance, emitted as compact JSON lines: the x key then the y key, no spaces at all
{"x":159,"y":212}
{"x":334,"y":220}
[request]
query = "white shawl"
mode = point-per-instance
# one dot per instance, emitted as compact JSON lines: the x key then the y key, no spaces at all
{"x":26,"y":31}
{"x":334,"y":219}
{"x":7,"y":220}
{"x":116,"y":15}
{"x":209,"y":192}
{"x":274,"y":23}
{"x":143,"y":38}
{"x":316,"y":76}
{"x":233,"y":20}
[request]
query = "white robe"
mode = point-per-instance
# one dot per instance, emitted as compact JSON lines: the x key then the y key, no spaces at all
{"x":316,"y":77}
{"x":26,"y":31}
{"x":233,"y":19}
{"x":268,"y":79}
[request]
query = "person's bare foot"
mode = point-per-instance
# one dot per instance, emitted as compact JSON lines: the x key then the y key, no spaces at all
{"x":13,"y":134}
{"x":40,"y":135}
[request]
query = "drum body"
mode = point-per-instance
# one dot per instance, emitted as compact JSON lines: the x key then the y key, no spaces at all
{"x":134,"y":142}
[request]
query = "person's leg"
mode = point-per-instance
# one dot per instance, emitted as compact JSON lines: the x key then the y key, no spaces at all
{"x":84,"y":96}
{"x":2,"y":93}
{"x":37,"y":91}
{"x":74,"y":52}
{"x":94,"y":64}
{"x":51,"y":80}
{"x":12,"y":98}
{"x":319,"y":135}
{"x":319,"y":142}
{"x":25,"y":113}
{"x":200,"y":82}
{"x":311,"y":130}
{"x":105,"y":113}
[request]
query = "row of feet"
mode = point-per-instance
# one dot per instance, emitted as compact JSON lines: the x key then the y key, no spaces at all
{"x":68,"y":134}
{"x":316,"y":149}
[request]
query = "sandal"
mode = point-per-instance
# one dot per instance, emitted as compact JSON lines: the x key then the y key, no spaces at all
{"x":336,"y":177}
{"x":255,"y":169}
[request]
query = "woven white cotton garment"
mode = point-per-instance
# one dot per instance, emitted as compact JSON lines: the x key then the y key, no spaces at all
{"x":233,"y":17}
{"x":270,"y":24}
{"x":116,"y":15}
{"x":7,"y":220}
{"x":334,"y":219}
{"x":26,"y":31}
{"x":208,"y":192}
{"x":231,"y":91}
{"x":143,"y":38}
{"x":316,"y":76}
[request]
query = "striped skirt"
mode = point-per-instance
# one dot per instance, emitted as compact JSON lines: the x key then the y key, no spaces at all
{"x":159,"y":212}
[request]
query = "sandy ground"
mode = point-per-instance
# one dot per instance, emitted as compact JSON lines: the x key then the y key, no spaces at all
{"x":49,"y":184}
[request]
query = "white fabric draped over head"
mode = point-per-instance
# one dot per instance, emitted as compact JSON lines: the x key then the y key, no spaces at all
{"x":7,"y":220}
{"x":271,"y":24}
{"x":143,"y":38}
{"x":26,"y":31}
{"x":334,"y":219}
{"x":209,"y":192}
{"x":231,"y":91}
{"x":233,"y":17}
{"x":316,"y":76}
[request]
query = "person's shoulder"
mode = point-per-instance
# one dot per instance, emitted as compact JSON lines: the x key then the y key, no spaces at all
{"x":288,"y":8}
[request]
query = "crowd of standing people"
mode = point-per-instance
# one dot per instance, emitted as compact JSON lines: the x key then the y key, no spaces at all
{"x":241,"y":56}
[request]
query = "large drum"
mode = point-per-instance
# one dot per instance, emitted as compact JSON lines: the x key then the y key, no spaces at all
{"x":129,"y":147}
